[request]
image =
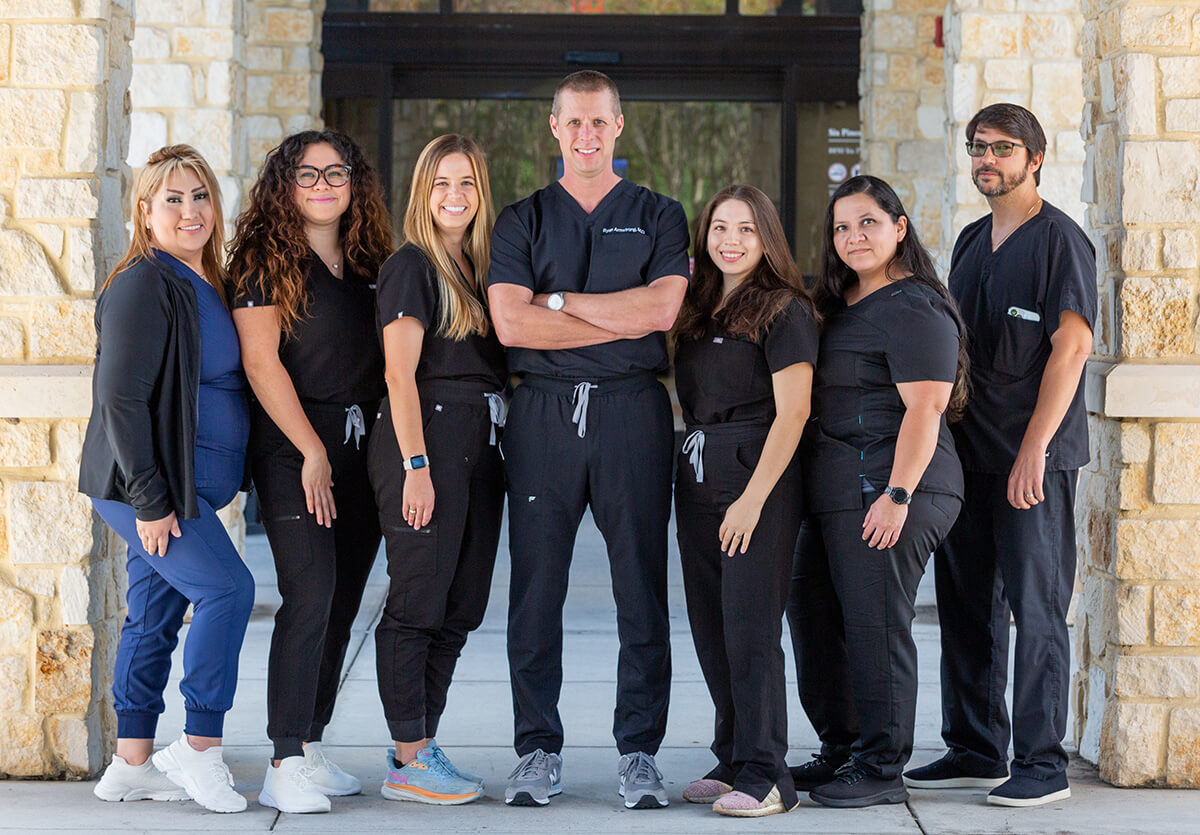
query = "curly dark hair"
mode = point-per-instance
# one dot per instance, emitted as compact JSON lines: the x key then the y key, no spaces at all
{"x":753,"y":306}
{"x":911,"y":261}
{"x":270,"y":248}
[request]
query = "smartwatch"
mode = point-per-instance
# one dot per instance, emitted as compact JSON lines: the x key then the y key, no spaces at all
{"x":556,"y":301}
{"x":417,"y":462}
{"x":898,"y":495}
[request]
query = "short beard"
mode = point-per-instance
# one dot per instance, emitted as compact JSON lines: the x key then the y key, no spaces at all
{"x":1001,"y":188}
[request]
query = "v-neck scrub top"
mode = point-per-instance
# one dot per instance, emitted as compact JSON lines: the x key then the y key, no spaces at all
{"x":548,"y":243}
{"x":722,"y":378}
{"x":1012,"y":300}
{"x":904,"y":332}
{"x":408,"y":287}
{"x":332,"y":355}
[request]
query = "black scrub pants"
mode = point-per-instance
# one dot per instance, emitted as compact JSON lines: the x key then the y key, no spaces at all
{"x":997,"y":557}
{"x":440,"y":574}
{"x":735,"y":608}
{"x":321,"y":571}
{"x":622,"y":468}
{"x":850,"y":612}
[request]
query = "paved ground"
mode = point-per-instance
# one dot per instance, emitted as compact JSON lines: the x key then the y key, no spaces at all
{"x":477,"y":731}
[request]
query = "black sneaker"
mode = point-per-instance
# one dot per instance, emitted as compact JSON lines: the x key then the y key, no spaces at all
{"x":1030,"y":791}
{"x":952,"y":772}
{"x":854,"y":787}
{"x":818,"y":771}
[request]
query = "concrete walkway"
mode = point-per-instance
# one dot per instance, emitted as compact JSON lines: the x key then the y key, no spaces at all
{"x":477,"y":731}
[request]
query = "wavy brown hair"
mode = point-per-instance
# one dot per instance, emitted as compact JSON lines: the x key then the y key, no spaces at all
{"x":762,"y":296}
{"x":270,"y":247}
{"x":162,"y":165}
{"x":911,"y":261}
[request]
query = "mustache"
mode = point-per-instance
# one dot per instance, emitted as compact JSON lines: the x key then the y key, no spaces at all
{"x":986,"y":170}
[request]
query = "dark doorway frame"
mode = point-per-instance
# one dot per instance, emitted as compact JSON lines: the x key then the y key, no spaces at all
{"x":730,"y":57}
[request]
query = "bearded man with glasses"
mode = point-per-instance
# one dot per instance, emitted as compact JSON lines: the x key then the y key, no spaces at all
{"x":1024,"y":277}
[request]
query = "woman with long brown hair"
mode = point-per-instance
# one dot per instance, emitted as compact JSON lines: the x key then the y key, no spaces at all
{"x":745,"y":347}
{"x":304,"y":261}
{"x":165,"y":450}
{"x":886,"y":486}
{"x":434,"y":459}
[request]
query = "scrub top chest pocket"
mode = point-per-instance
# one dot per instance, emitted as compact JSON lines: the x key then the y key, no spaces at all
{"x":1020,"y":340}
{"x":620,"y":256}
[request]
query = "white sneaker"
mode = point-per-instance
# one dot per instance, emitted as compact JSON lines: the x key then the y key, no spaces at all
{"x":122,"y":781}
{"x":288,"y":787}
{"x":203,"y":773}
{"x":325,"y":775}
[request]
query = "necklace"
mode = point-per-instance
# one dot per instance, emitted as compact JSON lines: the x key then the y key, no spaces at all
{"x":1032,"y":209}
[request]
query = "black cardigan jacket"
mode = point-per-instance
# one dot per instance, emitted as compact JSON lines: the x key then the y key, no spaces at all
{"x":141,"y":438}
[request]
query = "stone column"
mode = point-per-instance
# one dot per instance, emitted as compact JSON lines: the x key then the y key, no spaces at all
{"x":283,"y":84}
{"x":1137,"y":693}
{"x":903,"y":109}
{"x":64,"y":69}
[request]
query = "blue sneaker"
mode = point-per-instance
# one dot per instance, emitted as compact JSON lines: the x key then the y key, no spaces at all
{"x":427,"y":780}
{"x":441,"y":754}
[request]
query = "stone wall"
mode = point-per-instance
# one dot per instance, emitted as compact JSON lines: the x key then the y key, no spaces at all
{"x":1137,"y":693}
{"x":64,"y":69}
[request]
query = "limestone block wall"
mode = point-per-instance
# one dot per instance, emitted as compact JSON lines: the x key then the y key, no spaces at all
{"x":1021,"y":51}
{"x":1137,"y":693}
{"x":64,"y":69}
{"x":902,"y":107}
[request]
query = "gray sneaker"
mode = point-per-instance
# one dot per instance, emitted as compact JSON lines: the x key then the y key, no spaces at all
{"x":537,"y":777}
{"x":641,"y":782}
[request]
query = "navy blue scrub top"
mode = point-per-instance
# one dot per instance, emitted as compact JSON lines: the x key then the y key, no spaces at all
{"x":722,"y":378}
{"x":902,"y":333}
{"x":547,"y":243}
{"x":408,"y":286}
{"x":1011,"y":301}
{"x":332,"y":355}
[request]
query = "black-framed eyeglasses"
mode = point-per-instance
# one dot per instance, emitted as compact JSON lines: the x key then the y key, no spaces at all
{"x":1001,"y":148}
{"x":306,"y":176}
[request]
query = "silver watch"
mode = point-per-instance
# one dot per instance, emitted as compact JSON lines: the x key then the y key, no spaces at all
{"x":556,"y":301}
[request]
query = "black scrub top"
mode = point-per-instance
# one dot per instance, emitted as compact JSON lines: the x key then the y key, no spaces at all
{"x":1011,"y":301}
{"x":332,"y":355}
{"x":722,"y":378}
{"x":902,"y":333}
{"x":408,"y":286}
{"x":547,"y":243}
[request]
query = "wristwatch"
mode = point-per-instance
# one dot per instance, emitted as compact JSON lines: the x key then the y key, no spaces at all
{"x":417,"y":462}
{"x":898,"y":495}
{"x":556,"y":301}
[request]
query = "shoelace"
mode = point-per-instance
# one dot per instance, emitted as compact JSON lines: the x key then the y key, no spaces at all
{"x":443,"y":760}
{"x":817,"y":761}
{"x":531,"y":764}
{"x":640,"y":768}
{"x":221,"y":772}
{"x":302,"y":776}
{"x":321,"y":761}
{"x":850,"y":773}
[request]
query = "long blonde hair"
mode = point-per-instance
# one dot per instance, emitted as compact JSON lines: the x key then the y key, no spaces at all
{"x":462,"y":311}
{"x":163,"y":164}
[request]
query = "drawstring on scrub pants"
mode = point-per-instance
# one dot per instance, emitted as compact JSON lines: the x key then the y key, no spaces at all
{"x":580,"y":398}
{"x":355,"y":425}
{"x":693,"y":445}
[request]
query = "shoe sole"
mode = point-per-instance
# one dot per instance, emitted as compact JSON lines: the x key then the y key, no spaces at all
{"x":893,"y":796}
{"x":418,"y":795}
{"x":525,"y":798}
{"x":328,"y":792}
{"x":165,"y":762}
{"x":266,"y":799}
{"x":1021,"y":802}
{"x":773,"y":809}
{"x":164,"y":795}
{"x":647,"y":800}
{"x":956,"y":783}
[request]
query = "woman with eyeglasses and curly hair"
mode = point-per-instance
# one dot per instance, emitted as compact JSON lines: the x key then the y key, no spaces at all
{"x":304,"y":262}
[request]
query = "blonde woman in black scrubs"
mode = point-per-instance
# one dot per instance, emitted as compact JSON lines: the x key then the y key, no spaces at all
{"x":746,"y":343}
{"x":883,"y":486}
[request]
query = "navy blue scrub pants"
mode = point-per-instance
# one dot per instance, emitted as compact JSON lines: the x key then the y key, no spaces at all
{"x":996,"y":558}
{"x":441,"y":574}
{"x":202,"y":568}
{"x":622,"y":468}
{"x":321,"y":571}
{"x":851,"y":610}
{"x":735,"y":608}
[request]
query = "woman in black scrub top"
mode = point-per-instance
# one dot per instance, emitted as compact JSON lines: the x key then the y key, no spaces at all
{"x":307,"y":251}
{"x":435,"y":461}
{"x":746,"y":343}
{"x":883,"y":485}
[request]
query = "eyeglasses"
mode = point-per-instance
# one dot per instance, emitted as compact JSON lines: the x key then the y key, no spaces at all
{"x":307,"y":176}
{"x":1002,"y":148}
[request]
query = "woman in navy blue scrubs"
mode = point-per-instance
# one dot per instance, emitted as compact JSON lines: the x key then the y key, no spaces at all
{"x":883,"y":485}
{"x":746,"y":343}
